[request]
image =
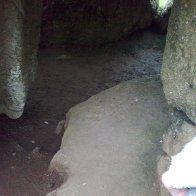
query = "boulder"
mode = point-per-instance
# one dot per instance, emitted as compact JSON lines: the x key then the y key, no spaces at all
{"x":179,"y":61}
{"x":19,"y":38}
{"x":112,"y":141}
{"x":93,"y":22}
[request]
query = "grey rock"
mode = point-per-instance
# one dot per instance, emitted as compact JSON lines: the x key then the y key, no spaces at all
{"x":112,"y":141}
{"x":179,"y":61}
{"x":19,"y":38}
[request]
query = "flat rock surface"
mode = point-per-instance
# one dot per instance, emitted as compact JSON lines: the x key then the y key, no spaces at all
{"x":112,"y":141}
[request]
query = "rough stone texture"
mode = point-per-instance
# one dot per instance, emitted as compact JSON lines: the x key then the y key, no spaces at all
{"x":112,"y":141}
{"x":177,"y":137}
{"x":179,"y":134}
{"x":179,"y":62}
{"x":19,"y":38}
{"x":93,"y":22}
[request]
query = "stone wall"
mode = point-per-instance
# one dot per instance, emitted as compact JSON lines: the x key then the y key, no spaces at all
{"x":93,"y":22}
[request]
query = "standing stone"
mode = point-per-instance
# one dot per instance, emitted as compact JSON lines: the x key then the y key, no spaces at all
{"x":19,"y":38}
{"x":179,"y":62}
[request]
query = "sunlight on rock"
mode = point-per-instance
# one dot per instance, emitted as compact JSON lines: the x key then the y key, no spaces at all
{"x":161,"y":6}
{"x":164,"y":5}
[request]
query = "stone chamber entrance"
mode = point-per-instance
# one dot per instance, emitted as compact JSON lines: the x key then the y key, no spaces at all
{"x":29,"y":143}
{"x":78,"y":57}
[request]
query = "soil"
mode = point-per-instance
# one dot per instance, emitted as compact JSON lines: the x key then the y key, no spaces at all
{"x":65,"y":77}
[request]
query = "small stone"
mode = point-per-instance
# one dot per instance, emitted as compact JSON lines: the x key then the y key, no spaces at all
{"x":178,"y":69}
{"x":64,"y":57}
{"x":13,"y":154}
{"x":35,"y":153}
{"x":33,"y":142}
{"x":46,"y":122}
{"x":60,"y":127}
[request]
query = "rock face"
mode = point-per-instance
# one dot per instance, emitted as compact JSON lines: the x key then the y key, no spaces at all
{"x":179,"y":80}
{"x":112,"y":141}
{"x":179,"y":62}
{"x":93,"y":22}
{"x":177,"y":137}
{"x":19,"y":38}
{"x":180,"y":133}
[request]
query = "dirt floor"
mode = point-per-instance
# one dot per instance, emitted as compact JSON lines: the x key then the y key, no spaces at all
{"x":65,"y":76}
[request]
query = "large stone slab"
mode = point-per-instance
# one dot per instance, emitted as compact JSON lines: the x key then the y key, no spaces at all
{"x":19,"y":39}
{"x":112,"y":141}
{"x":179,"y":62}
